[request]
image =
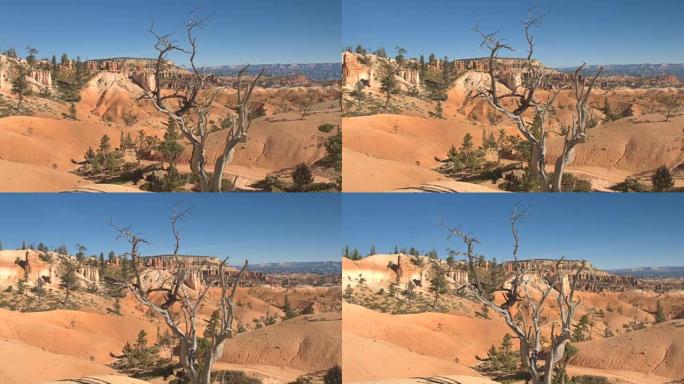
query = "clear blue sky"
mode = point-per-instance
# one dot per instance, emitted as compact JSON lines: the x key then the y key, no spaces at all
{"x":239,"y":32}
{"x":260,"y":227}
{"x":592,"y":31}
{"x":610,"y":230}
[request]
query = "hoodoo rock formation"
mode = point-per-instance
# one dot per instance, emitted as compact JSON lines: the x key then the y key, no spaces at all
{"x":209,"y":271}
{"x":590,"y":279}
{"x":379,"y":271}
{"x":42,"y":77}
{"x":30,"y":266}
{"x":368,"y":70}
{"x":124,"y":64}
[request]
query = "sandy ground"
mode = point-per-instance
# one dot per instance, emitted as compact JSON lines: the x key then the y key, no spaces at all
{"x":441,"y":379}
{"x":387,"y":152}
{"x":656,"y":350}
{"x":99,"y":379}
{"x":382,"y":346}
{"x":38,"y":150}
{"x":25,"y":364}
{"x":62,"y":344}
{"x":620,"y":377}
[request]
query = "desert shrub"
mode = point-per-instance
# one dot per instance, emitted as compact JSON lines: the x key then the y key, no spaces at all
{"x":503,"y":358}
{"x":129,"y":118}
{"x":138,"y":355}
{"x":271,"y":184}
{"x":269,"y":320}
{"x":494,"y":118}
{"x":326,"y":128}
{"x":527,"y":182}
{"x":572,"y":183}
{"x":589,"y":379}
{"x":629,"y":185}
{"x":466,"y":159}
{"x":321,"y":187}
{"x":233,"y":377}
{"x":333,"y":376}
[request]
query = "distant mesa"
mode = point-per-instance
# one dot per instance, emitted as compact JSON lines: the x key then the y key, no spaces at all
{"x":321,"y":267}
{"x":313,"y":71}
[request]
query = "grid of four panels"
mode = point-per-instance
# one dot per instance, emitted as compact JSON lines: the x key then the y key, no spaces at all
{"x":328,"y":191}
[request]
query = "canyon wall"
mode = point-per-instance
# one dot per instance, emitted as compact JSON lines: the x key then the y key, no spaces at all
{"x":379,"y":271}
{"x":368,"y":70}
{"x":590,"y":279}
{"x":27,"y":265}
{"x":209,"y":269}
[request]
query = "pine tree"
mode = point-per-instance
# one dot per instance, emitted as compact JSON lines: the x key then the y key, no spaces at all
{"x":438,"y":283}
{"x":372,"y":250}
{"x":287,"y":308}
{"x":117,"y":306}
{"x":20,"y":86}
{"x":170,"y":148}
{"x":67,"y":269}
{"x":346,"y":252}
{"x":660,"y":313}
{"x":302,"y":177}
{"x":102,"y":265}
{"x":388,"y":84}
{"x":662,"y":179}
{"x":579,"y":334}
{"x":438,"y":110}
{"x":72,"y":112}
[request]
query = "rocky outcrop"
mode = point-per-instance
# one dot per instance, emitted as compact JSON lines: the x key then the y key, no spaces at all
{"x":124,"y":64}
{"x":367,"y":70}
{"x":209,"y":271}
{"x":18,"y":265}
{"x":590,"y":279}
{"x":42,"y":77}
{"x":353,"y":71}
{"x":379,"y":271}
{"x":4,"y":72}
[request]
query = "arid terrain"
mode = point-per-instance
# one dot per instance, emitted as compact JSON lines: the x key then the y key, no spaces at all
{"x":68,"y":107}
{"x":396,"y":330}
{"x":396,"y":140}
{"x":283,"y":332}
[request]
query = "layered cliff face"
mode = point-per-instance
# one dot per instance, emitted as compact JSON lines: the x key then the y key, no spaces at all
{"x":379,"y":271}
{"x":368,"y":70}
{"x":37,"y":79}
{"x":590,"y":279}
{"x":353,"y":71}
{"x":124,"y":64}
{"x":20,"y":264}
{"x":42,"y":77}
{"x":4,"y":79}
{"x":209,"y":271}
{"x":30,"y":265}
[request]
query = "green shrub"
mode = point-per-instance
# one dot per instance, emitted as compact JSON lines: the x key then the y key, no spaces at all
{"x":589,"y":379}
{"x":326,"y":128}
{"x":333,"y":376}
{"x":233,"y":377}
{"x":629,"y":185}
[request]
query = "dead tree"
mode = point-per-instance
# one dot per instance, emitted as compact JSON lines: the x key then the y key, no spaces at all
{"x":177,"y":298}
{"x":523,"y":311}
{"x":525,"y":97}
{"x":185,"y":100}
